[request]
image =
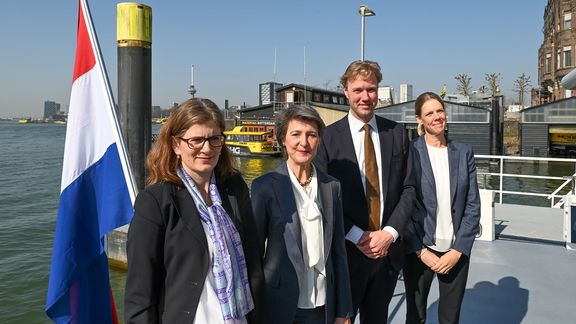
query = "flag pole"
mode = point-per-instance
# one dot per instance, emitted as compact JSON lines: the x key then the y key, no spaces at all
{"x":124,"y":159}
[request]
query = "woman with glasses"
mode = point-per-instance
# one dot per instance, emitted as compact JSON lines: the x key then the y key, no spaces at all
{"x":298,"y":212}
{"x":191,"y":244}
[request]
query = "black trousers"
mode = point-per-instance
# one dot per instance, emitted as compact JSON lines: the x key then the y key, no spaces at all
{"x":417,"y":281}
{"x":310,"y":316}
{"x":372,"y":288}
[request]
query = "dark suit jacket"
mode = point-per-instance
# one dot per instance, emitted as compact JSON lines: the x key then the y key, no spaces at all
{"x":465,"y":198}
{"x":278,"y":223}
{"x":168,"y":258}
{"x":337,"y":157}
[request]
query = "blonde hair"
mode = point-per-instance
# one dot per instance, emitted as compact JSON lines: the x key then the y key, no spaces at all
{"x":162,"y":162}
{"x":361,"y":69}
{"x":420,"y":101}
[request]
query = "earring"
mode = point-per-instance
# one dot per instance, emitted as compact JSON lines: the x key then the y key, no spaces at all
{"x":178,"y":156}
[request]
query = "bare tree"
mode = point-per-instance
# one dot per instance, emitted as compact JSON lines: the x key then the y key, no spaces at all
{"x":482,"y":89}
{"x":521,"y":86}
{"x":326,"y":84}
{"x":493,"y":80}
{"x":464,"y":86}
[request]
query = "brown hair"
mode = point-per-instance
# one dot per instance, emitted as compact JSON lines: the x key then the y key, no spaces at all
{"x":361,"y":69}
{"x":162,"y":162}
{"x":423,"y":98}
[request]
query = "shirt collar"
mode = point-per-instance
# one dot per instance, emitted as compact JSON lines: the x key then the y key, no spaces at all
{"x":357,"y":125}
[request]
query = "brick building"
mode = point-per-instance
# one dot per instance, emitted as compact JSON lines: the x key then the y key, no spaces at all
{"x":556,"y":54}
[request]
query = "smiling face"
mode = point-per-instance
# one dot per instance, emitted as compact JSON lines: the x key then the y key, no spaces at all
{"x":301,"y":142}
{"x":433,"y":117}
{"x":199,"y":162}
{"x":363,"y":97}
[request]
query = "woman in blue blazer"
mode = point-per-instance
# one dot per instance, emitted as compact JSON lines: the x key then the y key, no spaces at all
{"x":446,"y":219}
{"x":299,"y":222}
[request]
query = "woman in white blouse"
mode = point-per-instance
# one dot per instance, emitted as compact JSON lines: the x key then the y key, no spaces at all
{"x":446,"y":219}
{"x":298,"y":215}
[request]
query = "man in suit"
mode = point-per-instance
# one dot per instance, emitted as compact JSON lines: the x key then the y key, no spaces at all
{"x":370,"y":156}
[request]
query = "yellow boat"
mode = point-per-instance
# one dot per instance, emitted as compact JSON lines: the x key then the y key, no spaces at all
{"x":24,"y":121}
{"x":244,"y":143}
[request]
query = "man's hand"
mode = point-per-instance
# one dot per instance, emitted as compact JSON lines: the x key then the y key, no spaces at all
{"x":375,"y":244}
{"x":342,"y":320}
{"x":446,"y":262}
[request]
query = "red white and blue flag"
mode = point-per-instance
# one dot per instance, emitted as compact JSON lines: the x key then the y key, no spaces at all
{"x":97,"y":191}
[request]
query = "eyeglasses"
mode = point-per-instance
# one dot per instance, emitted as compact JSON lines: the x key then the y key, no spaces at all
{"x":198,"y":142}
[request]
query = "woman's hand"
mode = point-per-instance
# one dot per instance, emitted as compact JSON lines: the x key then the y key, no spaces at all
{"x":428,"y":258}
{"x":446,"y":262}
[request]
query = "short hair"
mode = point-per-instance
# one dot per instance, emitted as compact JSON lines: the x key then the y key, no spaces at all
{"x":302,"y":112}
{"x":361,"y":69}
{"x":162,"y":162}
{"x":420,"y":101}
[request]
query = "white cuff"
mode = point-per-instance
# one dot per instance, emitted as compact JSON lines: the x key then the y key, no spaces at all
{"x":354,"y":234}
{"x":392,"y":231}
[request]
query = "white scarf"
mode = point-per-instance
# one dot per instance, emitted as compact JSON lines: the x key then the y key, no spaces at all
{"x":310,"y":222}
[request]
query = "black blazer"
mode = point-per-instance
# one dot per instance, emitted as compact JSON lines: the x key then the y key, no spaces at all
{"x":337,"y":157}
{"x":168,"y":257}
{"x":280,"y":241}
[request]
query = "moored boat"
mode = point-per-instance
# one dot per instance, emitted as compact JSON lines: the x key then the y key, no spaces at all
{"x":245,"y":143}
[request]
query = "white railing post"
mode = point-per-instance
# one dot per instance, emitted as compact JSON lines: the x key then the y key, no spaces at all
{"x":570,"y":222}
{"x":487,"y":230}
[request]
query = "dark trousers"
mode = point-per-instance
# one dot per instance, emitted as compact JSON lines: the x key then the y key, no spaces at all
{"x":417,"y":281}
{"x":372,"y":287}
{"x":310,"y":316}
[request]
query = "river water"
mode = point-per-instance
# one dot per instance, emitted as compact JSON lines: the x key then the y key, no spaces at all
{"x":30,"y":170}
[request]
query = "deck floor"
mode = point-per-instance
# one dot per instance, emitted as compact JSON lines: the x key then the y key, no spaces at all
{"x":513,"y":280}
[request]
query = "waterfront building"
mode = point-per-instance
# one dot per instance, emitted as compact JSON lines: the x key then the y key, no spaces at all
{"x":466,"y":123}
{"x":51,"y":108}
{"x":331,"y":105}
{"x":405,"y":92}
{"x":549,"y":130}
{"x":556,"y":54}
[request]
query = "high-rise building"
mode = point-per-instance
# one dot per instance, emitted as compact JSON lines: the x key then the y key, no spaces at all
{"x":555,"y":58}
{"x":405,"y":92}
{"x":51,"y":108}
{"x":385,"y":96}
{"x":268,"y":92}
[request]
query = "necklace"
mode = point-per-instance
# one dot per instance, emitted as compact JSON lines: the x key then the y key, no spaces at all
{"x":307,"y":182}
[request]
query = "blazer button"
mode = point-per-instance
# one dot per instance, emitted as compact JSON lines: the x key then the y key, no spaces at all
{"x":194,"y":283}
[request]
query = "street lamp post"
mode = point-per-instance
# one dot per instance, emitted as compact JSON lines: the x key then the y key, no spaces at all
{"x":364,"y":11}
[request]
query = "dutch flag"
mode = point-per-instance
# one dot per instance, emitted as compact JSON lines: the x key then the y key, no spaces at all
{"x":97,"y":191}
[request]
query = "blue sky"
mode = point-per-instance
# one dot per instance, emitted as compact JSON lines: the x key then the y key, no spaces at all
{"x":231,"y":43}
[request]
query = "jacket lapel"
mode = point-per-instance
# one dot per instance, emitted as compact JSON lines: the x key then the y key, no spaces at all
{"x":386,"y":146}
{"x":349,"y":154}
{"x":188,"y":212}
{"x":453,"y":163}
{"x":283,"y":191}
{"x":420,"y":146}
{"x":326,"y":208}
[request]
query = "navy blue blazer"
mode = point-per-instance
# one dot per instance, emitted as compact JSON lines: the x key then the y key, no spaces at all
{"x":337,"y":157}
{"x":280,"y":242}
{"x":464,"y":197}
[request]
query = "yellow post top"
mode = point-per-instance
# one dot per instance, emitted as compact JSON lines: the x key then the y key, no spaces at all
{"x":134,"y":24}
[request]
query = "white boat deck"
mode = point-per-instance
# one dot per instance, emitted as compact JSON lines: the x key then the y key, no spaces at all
{"x":525,"y":276}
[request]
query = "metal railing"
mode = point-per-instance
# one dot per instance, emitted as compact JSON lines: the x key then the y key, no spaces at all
{"x":552,"y":196}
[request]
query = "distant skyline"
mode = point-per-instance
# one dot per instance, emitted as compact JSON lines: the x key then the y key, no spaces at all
{"x":232,"y":44}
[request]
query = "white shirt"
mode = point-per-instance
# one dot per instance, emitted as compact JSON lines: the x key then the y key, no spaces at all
{"x":312,"y":292}
{"x":444,"y":229}
{"x":357,"y":131}
{"x":209,"y":310}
